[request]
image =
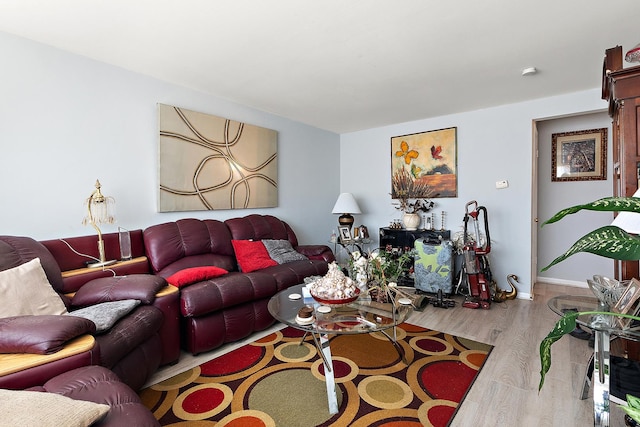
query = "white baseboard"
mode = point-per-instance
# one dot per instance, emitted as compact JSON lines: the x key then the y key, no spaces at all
{"x":563,"y":282}
{"x":522,"y":295}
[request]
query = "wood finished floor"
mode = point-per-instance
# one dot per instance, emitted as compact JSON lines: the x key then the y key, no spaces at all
{"x":506,"y":391}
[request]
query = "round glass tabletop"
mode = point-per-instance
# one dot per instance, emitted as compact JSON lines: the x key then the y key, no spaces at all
{"x":360,"y":316}
{"x":581,"y":303}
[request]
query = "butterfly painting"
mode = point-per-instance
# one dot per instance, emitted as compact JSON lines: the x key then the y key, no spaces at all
{"x":436,"y":152}
{"x":427,"y":158}
{"x":407,"y":154}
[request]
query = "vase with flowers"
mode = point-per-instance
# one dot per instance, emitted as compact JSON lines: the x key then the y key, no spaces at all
{"x":412,"y":197}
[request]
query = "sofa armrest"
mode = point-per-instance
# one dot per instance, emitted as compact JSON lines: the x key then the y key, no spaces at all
{"x":100,"y":385}
{"x":319,"y":252}
{"x":75,"y":279}
{"x":168,"y":301}
{"x":41,"y":334}
{"x":142,"y":287}
{"x":12,"y":363}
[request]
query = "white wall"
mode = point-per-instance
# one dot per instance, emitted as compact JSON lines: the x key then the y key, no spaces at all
{"x":554,"y":239}
{"x":493,"y":144}
{"x":66,"y":120}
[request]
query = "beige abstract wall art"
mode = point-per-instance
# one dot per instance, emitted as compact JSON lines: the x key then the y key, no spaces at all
{"x":210,"y":163}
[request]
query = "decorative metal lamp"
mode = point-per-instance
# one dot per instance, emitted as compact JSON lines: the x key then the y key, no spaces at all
{"x":100,"y":210}
{"x":346,"y":205}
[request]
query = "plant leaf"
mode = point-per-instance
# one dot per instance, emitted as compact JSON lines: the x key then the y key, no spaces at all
{"x":633,"y":402}
{"x":566,"y":324}
{"x":607,"y":204}
{"x":608,"y":241}
{"x":632,"y":412}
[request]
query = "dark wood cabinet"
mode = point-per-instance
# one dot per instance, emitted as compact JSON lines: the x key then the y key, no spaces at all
{"x":621,"y":88}
{"x":400,"y":238}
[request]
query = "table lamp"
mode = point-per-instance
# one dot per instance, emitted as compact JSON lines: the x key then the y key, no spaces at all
{"x":100,"y":210}
{"x":346,"y":205}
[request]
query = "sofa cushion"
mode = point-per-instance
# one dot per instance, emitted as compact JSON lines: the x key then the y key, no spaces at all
{"x":252,"y":255}
{"x":195,"y":274}
{"x":35,"y":408}
{"x":168,"y":243}
{"x":281,"y":251}
{"x":258,"y":227}
{"x":142,"y":287}
{"x":15,"y":251}
{"x":106,"y":314}
{"x":40,"y":334}
{"x":226,"y":291}
{"x":26,"y":290}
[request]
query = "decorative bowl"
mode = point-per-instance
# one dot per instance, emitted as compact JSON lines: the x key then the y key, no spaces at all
{"x":337,"y":302}
{"x":607,"y":290}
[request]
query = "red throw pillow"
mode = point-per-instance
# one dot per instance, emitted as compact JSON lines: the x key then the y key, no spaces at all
{"x":195,"y":274}
{"x":252,"y":255}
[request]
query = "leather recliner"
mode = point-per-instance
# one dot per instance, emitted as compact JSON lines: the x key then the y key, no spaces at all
{"x":230,"y":307}
{"x":132,"y":348}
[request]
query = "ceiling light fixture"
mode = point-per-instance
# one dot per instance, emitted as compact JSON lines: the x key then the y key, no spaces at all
{"x":529,"y":71}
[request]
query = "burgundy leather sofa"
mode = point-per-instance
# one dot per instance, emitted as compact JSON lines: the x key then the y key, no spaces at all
{"x":134,"y":347}
{"x":100,"y":385}
{"x":232,"y":306}
{"x":204,"y":315}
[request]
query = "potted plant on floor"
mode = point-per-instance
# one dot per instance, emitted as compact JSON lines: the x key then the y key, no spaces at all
{"x":611,"y":242}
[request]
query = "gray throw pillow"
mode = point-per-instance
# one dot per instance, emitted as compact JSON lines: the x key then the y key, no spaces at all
{"x":106,"y":314}
{"x":281,"y":251}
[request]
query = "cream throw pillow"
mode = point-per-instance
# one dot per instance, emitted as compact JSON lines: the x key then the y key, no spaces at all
{"x":40,"y":409}
{"x":25,"y":291}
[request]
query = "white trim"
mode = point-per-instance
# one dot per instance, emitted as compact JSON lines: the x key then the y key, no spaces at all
{"x":563,"y":282}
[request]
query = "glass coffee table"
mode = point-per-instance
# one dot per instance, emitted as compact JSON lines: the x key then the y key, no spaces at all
{"x":359,"y":317}
{"x":603,"y":327}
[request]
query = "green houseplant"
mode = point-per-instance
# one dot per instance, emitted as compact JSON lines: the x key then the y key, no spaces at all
{"x":380,"y":271}
{"x":609,"y":241}
{"x":633,"y":408}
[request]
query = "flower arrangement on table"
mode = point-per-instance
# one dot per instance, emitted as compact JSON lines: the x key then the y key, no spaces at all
{"x":406,"y":189}
{"x":378,"y":272}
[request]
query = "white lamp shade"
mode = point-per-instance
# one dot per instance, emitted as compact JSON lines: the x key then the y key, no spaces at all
{"x":628,"y":221}
{"x":346,"y":204}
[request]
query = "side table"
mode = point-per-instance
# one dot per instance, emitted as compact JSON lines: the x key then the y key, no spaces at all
{"x":348,"y":247}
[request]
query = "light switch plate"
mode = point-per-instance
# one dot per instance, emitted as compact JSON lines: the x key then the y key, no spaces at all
{"x":502,"y":184}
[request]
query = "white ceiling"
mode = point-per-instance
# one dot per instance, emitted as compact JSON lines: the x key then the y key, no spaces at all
{"x":344,"y":65}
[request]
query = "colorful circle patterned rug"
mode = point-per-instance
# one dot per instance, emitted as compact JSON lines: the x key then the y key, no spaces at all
{"x":279,"y":381}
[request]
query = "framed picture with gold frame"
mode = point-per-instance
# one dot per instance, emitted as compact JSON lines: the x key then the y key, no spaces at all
{"x":579,"y":155}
